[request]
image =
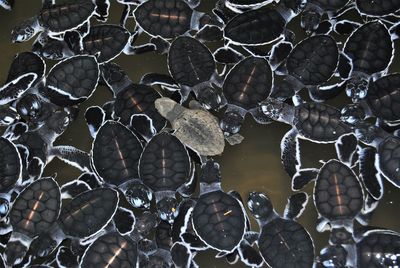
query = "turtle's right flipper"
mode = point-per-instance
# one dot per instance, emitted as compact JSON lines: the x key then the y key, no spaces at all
{"x":295,"y":205}
{"x":95,"y":117}
{"x":346,"y":147}
{"x":290,"y":152}
{"x":369,"y":174}
{"x":303,"y":177}
{"x":73,"y":157}
{"x":227,"y":55}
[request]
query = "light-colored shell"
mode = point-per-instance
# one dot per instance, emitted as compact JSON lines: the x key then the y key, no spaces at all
{"x":198,"y":129}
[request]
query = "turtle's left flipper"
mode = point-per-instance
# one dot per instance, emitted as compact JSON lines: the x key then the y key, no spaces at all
{"x":346,"y":147}
{"x":249,"y":255}
{"x":295,"y":205}
{"x":303,"y":177}
{"x":14,"y":89}
{"x":73,"y":157}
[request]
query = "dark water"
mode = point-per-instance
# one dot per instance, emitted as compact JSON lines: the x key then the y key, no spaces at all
{"x":253,"y":165}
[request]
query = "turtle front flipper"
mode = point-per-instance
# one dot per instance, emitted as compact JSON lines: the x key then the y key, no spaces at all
{"x":7,"y":4}
{"x":15,"y":88}
{"x":303,"y":177}
{"x":124,"y":221}
{"x":73,"y":157}
{"x":369,"y":174}
{"x":142,"y":124}
{"x":73,"y":188}
{"x":295,"y":206}
{"x":66,"y":258}
{"x":346,"y":147}
{"x":249,"y":255}
{"x":94,"y":116}
{"x":290,"y":152}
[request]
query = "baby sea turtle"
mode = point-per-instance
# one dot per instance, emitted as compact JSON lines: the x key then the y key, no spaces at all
{"x":115,"y":153}
{"x":247,"y":84}
{"x":192,"y":67}
{"x":110,"y":250}
{"x":370,"y":49}
{"x":34,"y":211}
{"x":55,"y":20}
{"x":72,"y":81}
{"x":311,"y":63}
{"x":218,"y":218}
{"x":165,"y":167}
{"x":196,"y":128}
{"x":282,"y":241}
{"x":315,"y":122}
{"x":83,"y":217}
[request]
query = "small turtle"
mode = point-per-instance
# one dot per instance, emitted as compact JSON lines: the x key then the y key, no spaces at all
{"x":7,"y":4}
{"x":247,"y":84}
{"x":33,"y":212}
{"x":197,"y":129}
{"x":282,"y":242}
{"x":85,"y":216}
{"x":192,"y":67}
{"x":115,"y":153}
{"x":72,"y":81}
{"x":55,"y":20}
{"x":315,"y":122}
{"x":165,"y":167}
{"x":218,"y":218}
{"x":369,"y":57}
{"x":110,"y":250}
{"x":311,"y":63}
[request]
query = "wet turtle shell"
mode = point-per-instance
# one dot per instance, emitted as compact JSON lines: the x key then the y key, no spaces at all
{"x":338,"y":193}
{"x":26,"y":62}
{"x":88,"y":212}
{"x":383,"y":97}
{"x":72,"y":81}
{"x":249,"y":28}
{"x":36,"y":208}
{"x":285,"y":243}
{"x":108,"y":40}
{"x":166,"y":19}
{"x":116,"y":152}
{"x":314,"y":60}
{"x":329,"y":5}
{"x":63,"y":17}
{"x":377,"y":8}
{"x":197,"y":129}
{"x":370,"y":48}
{"x":248,"y":83}
{"x":319,"y":122}
{"x":219,"y":220}
{"x":10,"y":165}
{"x":165,"y":163}
{"x":111,"y":250}
{"x":389,"y":159}
{"x":378,"y":249}
{"x":190,"y":62}
{"x":137,"y":99}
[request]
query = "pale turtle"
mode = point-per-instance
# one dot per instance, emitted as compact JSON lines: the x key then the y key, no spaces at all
{"x":282,"y":241}
{"x":196,"y":128}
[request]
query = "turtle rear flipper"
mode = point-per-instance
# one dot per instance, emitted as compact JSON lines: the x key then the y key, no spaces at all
{"x":66,"y":258}
{"x":369,"y":174}
{"x":209,"y":33}
{"x":290,"y":152}
{"x":15,"y":88}
{"x":142,"y":124}
{"x":249,"y":255}
{"x":345,"y":27}
{"x":73,"y":156}
{"x":94,"y":116}
{"x":181,"y":255}
{"x":346,"y":147}
{"x":227,"y":55}
{"x":73,"y":188}
{"x":124,"y":220}
{"x":102,"y":10}
{"x":296,"y":205}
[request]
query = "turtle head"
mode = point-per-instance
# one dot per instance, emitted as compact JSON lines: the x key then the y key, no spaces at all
{"x":273,"y":108}
{"x":333,"y":255}
{"x":4,"y":207}
{"x":29,"y":106}
{"x":310,"y":20}
{"x":23,"y":31}
{"x":357,"y":87}
{"x":260,"y":206}
{"x":210,"y":98}
{"x":138,"y":195}
{"x":14,"y":252}
{"x":231,"y":123}
{"x":168,"y":209}
{"x":168,"y":108}
{"x":210,"y":172}
{"x":352,"y":113}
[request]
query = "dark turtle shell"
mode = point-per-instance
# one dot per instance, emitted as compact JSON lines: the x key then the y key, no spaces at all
{"x":377,"y":8}
{"x":111,"y":250}
{"x":248,"y":83}
{"x":137,"y":99}
{"x":190,"y":62}
{"x":36,"y":208}
{"x":88,"y":212}
{"x":329,"y":5}
{"x":378,"y":249}
{"x":165,"y":163}
{"x":63,"y":17}
{"x":319,"y":122}
{"x":285,"y":243}
{"x":314,"y":60}
{"x":383,"y":97}
{"x":35,"y":144}
{"x":72,"y":81}
{"x":338,"y":193}
{"x":256,"y":27}
{"x":10,"y":165}
{"x":167,"y":19}
{"x":389,"y":159}
{"x":26,"y":62}
{"x":108,"y":40}
{"x":116,"y":152}
{"x":370,"y":48}
{"x":219,"y":220}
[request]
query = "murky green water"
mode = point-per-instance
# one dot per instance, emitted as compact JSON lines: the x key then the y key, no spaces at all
{"x":253,"y":165}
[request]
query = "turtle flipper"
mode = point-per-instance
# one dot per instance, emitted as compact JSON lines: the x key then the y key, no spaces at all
{"x":345,"y":66}
{"x":35,"y":168}
{"x":102,"y":10}
{"x":369,"y":174}
{"x":13,"y":132}
{"x":73,"y":188}
{"x":260,"y":117}
{"x":209,"y":33}
{"x":7,"y":4}
{"x":249,"y":255}
{"x":295,"y":205}
{"x":303,"y":177}
{"x":14,"y":89}
{"x":279,"y":53}
{"x":346,"y":147}
{"x":73,"y":157}
{"x":345,"y":27}
{"x":151,"y":79}
{"x":290,"y":155}
{"x":227,"y":55}
{"x":325,"y":27}
{"x":142,"y":124}
{"x":66,"y":258}
{"x":95,"y":117}
{"x":124,"y":220}
{"x":321,"y":94}
{"x":181,"y":255}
